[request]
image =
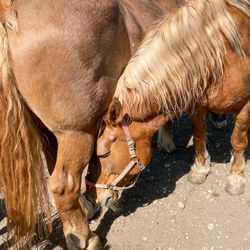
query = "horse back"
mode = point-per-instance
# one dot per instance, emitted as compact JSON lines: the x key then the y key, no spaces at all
{"x":141,"y":16}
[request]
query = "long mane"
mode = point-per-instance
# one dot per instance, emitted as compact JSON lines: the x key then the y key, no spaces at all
{"x":181,"y":56}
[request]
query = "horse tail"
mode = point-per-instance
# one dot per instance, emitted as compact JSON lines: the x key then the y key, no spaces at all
{"x":21,"y":166}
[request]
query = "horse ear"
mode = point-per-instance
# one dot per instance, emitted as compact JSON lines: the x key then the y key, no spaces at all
{"x":114,"y":115}
{"x":127,"y":119}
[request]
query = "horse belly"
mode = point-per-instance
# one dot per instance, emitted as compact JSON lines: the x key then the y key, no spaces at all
{"x":233,"y":92}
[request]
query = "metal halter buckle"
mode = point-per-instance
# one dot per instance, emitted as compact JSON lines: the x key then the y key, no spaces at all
{"x":110,"y":186}
{"x":131,"y":143}
{"x":141,"y":167}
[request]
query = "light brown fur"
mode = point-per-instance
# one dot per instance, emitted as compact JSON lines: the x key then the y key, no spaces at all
{"x":209,"y":71}
{"x":65,"y":59}
{"x":173,"y":65}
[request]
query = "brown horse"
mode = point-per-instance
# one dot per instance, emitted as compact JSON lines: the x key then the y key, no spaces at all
{"x":195,"y":60}
{"x":60,"y":63}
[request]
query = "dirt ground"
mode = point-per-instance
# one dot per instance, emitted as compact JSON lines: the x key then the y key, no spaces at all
{"x":164,"y":211}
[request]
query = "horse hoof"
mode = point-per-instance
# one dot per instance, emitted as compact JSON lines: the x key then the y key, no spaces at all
{"x":198,"y":172}
{"x":168,"y":147}
{"x":75,"y":242}
{"x":235,"y":184}
{"x":87,"y":207}
{"x":165,"y":142}
{"x":196,"y":177}
{"x":94,"y":243}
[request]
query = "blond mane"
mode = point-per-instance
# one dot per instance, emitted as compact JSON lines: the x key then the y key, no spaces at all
{"x":180,"y":57}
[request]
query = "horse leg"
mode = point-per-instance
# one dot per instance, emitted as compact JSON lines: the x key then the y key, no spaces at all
{"x":165,"y":138}
{"x":236,"y":181}
{"x":201,"y":167}
{"x":74,"y":152}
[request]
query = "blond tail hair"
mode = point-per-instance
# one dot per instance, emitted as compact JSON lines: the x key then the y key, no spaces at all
{"x":21,"y":167}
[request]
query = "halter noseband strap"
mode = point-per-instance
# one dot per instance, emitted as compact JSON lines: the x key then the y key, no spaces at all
{"x":128,"y":168}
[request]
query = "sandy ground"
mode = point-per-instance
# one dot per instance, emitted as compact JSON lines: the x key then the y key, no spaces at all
{"x":164,"y":211}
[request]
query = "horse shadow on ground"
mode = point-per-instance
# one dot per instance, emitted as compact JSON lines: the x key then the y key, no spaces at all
{"x":158,"y":180}
{"x":55,"y":238}
{"x":160,"y":177}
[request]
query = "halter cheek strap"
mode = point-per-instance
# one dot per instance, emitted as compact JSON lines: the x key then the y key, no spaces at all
{"x":130,"y":141}
{"x":128,"y":168}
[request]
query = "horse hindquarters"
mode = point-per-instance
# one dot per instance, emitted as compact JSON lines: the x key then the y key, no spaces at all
{"x":236,"y":180}
{"x":21,"y":166}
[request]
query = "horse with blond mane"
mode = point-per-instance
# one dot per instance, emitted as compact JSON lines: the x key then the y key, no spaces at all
{"x":59,"y":65}
{"x":195,"y":60}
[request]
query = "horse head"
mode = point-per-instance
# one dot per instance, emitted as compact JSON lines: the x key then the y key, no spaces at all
{"x":123,"y":149}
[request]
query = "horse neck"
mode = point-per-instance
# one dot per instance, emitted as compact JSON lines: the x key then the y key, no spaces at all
{"x":151,"y":120}
{"x":178,"y":61}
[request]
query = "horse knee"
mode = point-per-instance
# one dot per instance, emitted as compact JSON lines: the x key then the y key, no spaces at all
{"x":74,"y":152}
{"x":66,"y":190}
{"x":57,"y":184}
{"x":239,"y":140}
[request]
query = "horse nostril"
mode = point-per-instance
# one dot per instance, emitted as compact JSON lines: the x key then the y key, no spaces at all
{"x":108,"y":201}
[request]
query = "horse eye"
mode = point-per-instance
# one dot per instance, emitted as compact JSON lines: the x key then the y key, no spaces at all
{"x":105,"y":155}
